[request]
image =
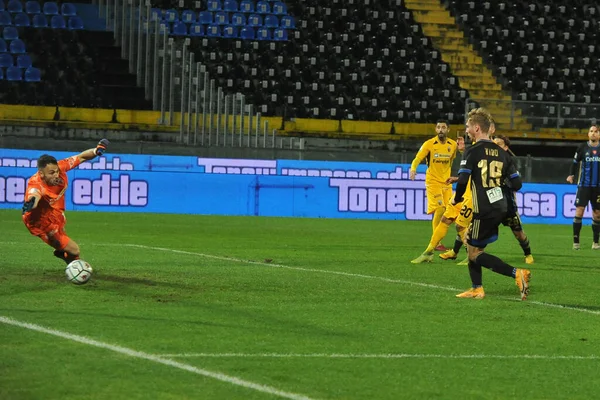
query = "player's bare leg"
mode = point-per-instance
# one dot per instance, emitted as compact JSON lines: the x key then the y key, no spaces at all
{"x":69,"y":253}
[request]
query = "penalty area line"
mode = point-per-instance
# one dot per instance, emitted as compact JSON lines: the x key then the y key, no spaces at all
{"x":155,"y":358}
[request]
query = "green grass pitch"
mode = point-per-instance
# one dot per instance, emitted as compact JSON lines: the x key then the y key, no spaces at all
{"x":207,"y":307}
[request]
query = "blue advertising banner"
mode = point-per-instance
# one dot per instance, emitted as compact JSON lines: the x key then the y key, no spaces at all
{"x":286,"y":188}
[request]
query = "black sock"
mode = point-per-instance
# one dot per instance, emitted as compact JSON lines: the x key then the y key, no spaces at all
{"x":576,"y":229}
{"x":457,"y":244}
{"x":495,"y":264}
{"x":525,"y":246}
{"x":596,"y":230}
{"x":475,"y":273}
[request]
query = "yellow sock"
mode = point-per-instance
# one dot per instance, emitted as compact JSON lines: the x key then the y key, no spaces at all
{"x":439,"y":233}
{"x":463,"y":235}
{"x":437,"y":217}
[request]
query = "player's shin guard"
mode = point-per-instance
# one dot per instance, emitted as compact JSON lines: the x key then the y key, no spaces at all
{"x":495,"y":264}
{"x":596,"y":230}
{"x":475,"y":273}
{"x":576,"y":229}
{"x":438,"y":234}
{"x":437,"y":217}
{"x":525,"y":246}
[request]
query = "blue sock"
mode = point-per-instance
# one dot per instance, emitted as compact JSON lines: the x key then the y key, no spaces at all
{"x":477,"y":286}
{"x":514,"y":274}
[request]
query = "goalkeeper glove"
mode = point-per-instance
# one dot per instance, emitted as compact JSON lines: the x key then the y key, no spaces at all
{"x":101,"y":147}
{"x":28,"y":205}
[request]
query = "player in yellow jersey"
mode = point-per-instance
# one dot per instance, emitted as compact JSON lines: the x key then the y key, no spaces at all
{"x":438,"y":153}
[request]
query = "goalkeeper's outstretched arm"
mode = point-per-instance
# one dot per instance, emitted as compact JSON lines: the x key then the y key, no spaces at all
{"x":95,"y":152}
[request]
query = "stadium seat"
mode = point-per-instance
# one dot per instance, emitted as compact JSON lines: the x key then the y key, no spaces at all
{"x":254,"y":20}
{"x":179,"y":29}
{"x":230,"y":32}
{"x":221,"y":18}
{"x":1,"y":74}
{"x":40,"y":21}
{"x":213,"y":30}
{"x":14,"y":6}
{"x":156,"y":14}
{"x":188,"y":16}
{"x":17,"y":46}
{"x":280,"y":34}
{"x":5,"y":18}
{"x":271,"y":21}
{"x":10,"y":33}
{"x":21,"y":19}
{"x":263,"y":34}
{"x":230,"y":6}
{"x":50,"y":8}
{"x":196,"y":30}
{"x":6,"y":60}
{"x":58,"y":22}
{"x":3,"y":47}
{"x":2,"y":8}
{"x":238,"y":19}
{"x":279,"y":8}
{"x":263,"y":7}
{"x":33,"y":7}
{"x":68,"y":9}
{"x":33,"y":75}
{"x":171,"y":15}
{"x":247,"y":6}
{"x":14,"y":74}
{"x":75,"y":23}
{"x":214,"y":5}
{"x":205,"y":17}
{"x":23,"y":61}
{"x":247,"y":33}
{"x":287,"y":22}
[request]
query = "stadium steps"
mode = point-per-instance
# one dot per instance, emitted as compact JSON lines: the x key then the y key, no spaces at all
{"x":472,"y":73}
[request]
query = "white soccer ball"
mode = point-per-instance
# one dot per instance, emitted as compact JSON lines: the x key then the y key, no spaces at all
{"x":78,"y":272}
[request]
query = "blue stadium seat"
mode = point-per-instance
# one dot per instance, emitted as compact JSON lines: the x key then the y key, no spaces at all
{"x":196,"y":30}
{"x":205,"y":17}
{"x":10,"y":33}
{"x":188,"y":16}
{"x":230,"y":5}
{"x":247,"y":33}
{"x":14,"y":6}
{"x":33,"y":75}
{"x":2,"y":5}
{"x":3,"y":47}
{"x":156,"y":14}
{"x":279,"y":8}
{"x":40,"y":21}
{"x":17,"y":46}
{"x":68,"y":9}
{"x":6,"y":60}
{"x":58,"y":22}
{"x":247,"y":6}
{"x":1,"y":73}
{"x":230,"y":32}
{"x":21,"y":19}
{"x":14,"y":74}
{"x":179,"y":29}
{"x":50,"y":8}
{"x":287,"y":22}
{"x":254,"y":20}
{"x":213,"y":30}
{"x":222,"y":18}
{"x":75,"y":23}
{"x":171,"y":15}
{"x":238,"y":19}
{"x":280,"y":35}
{"x":214,"y":5}
{"x":271,"y":21}
{"x":33,"y":7}
{"x":263,"y":7}
{"x":263,"y":34}
{"x":5,"y":18}
{"x":23,"y":61}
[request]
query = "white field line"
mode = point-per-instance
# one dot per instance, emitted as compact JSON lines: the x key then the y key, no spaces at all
{"x":323,"y":271}
{"x":155,"y":358}
{"x":381,"y":356}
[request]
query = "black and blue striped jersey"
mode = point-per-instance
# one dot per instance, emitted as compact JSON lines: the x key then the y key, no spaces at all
{"x":586,"y":165}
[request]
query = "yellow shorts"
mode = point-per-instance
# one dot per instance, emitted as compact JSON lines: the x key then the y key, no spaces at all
{"x":465,"y":215}
{"x":437,"y":196}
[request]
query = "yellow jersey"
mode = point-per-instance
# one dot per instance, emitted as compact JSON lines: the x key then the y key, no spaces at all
{"x":438,"y":157}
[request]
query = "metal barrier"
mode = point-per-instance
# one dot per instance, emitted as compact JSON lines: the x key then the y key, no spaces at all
{"x":180,"y":85}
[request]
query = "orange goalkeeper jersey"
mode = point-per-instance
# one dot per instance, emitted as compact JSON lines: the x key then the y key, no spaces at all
{"x":438,"y":156}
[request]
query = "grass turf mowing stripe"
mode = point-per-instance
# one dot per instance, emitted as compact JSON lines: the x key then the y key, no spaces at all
{"x":155,"y":358}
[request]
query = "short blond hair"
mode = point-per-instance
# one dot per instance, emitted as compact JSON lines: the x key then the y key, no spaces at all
{"x":482,"y":117}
